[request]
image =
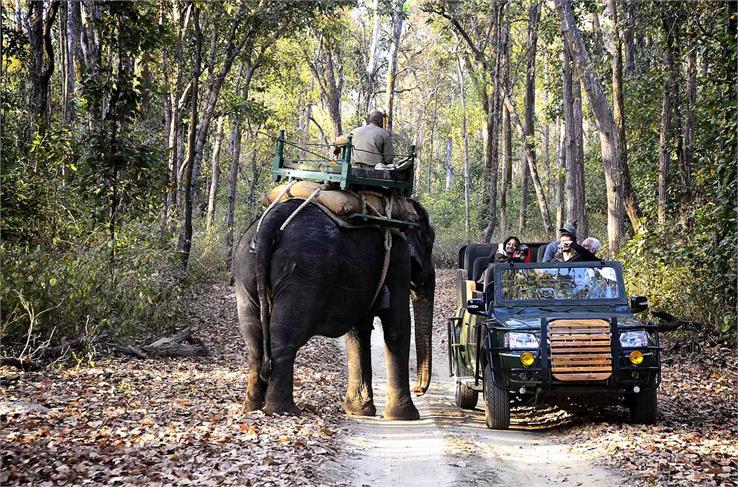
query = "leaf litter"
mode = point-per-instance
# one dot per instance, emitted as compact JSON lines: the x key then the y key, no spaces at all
{"x":126,"y":421}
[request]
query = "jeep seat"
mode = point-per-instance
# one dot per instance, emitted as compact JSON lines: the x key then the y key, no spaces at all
{"x":480,"y":263}
{"x":489,"y":281}
{"x":473,"y":252}
{"x":541,"y":253}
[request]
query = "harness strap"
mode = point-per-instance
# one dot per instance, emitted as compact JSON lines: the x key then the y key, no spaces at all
{"x":387,"y":250}
{"x":274,"y":203}
{"x":298,"y":209}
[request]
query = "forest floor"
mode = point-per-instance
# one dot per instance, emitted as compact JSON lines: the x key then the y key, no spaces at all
{"x":124,"y":421}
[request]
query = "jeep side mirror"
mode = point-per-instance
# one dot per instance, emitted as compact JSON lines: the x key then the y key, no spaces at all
{"x":476,"y":306}
{"x":638,"y":304}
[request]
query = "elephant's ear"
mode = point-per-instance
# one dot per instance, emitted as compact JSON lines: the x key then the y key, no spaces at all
{"x":421,"y":244}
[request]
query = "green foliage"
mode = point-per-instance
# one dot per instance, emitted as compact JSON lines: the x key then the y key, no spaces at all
{"x":76,"y":289}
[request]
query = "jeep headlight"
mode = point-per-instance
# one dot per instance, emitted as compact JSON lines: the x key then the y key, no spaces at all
{"x":520,"y":340}
{"x":634,"y":339}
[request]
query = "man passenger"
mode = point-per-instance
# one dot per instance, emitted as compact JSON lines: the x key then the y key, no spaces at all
{"x":567,"y":229}
{"x":372,"y":145}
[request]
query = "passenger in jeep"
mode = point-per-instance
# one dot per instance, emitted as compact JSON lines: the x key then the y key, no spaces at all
{"x":570,"y":251}
{"x":568,"y":229}
{"x":591,"y":244}
{"x":512,"y":251}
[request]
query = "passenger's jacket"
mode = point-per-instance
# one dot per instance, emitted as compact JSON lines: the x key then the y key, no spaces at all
{"x":372,"y":146}
{"x":579,"y":254}
{"x":503,"y":258}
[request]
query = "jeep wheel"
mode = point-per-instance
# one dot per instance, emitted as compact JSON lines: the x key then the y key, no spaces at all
{"x":643,"y":407}
{"x":466,"y":397}
{"x":496,"y":403}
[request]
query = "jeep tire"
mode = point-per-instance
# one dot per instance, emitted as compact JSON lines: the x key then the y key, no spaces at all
{"x":643,"y":407}
{"x":466,"y":397}
{"x":496,"y":403}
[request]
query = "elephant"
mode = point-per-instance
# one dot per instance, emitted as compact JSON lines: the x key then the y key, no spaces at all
{"x":314,"y":277}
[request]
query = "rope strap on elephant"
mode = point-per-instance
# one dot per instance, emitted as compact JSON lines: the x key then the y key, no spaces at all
{"x":274,"y":203}
{"x":387,"y":251}
{"x":298,"y":209}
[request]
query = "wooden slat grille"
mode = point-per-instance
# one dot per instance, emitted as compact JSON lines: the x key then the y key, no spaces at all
{"x":580,"y":350}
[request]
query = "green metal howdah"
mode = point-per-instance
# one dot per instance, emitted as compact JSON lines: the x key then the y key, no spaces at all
{"x":341,"y":171}
{"x":345,"y":176}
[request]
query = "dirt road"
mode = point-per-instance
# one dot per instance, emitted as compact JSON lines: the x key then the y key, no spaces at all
{"x":449,"y":446}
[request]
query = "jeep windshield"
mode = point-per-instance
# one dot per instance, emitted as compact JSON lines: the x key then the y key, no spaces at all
{"x":554,"y":283}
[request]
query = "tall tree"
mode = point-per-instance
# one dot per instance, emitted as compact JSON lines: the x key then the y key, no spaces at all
{"x":560,"y":172}
{"x":485,"y":44}
{"x":609,"y":141}
{"x":573,"y":150}
{"x":630,"y":198}
{"x":465,"y":138}
{"x":369,"y":78}
{"x":184,"y":243}
{"x":507,"y":156}
{"x":667,"y":109}
{"x":530,"y":160}
{"x":42,"y":61}
{"x":327,"y":70}
{"x":534,"y":15}
{"x":398,"y":18}
{"x":215,"y":173}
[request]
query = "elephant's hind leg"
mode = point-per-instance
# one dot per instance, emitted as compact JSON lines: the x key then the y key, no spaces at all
{"x":279,"y":394}
{"x":250,"y":326}
{"x":289,"y":332}
{"x":359,"y":396}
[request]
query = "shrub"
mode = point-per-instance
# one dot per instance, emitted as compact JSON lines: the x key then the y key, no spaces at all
{"x":73,"y":291}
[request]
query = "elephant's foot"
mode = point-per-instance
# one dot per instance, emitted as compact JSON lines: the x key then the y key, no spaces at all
{"x":402,"y":409}
{"x":249,"y":405}
{"x":359,"y":407}
{"x":282,"y":408}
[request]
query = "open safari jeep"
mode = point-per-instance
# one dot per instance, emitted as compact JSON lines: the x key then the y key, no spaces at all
{"x":533,"y":333}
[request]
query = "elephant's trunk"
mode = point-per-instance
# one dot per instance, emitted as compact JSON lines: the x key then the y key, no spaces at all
{"x":423,"y":310}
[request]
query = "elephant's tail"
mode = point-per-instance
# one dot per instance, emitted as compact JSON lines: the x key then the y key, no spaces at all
{"x":265,"y":241}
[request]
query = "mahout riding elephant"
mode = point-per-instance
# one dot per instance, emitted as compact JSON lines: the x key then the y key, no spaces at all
{"x":315,"y":278}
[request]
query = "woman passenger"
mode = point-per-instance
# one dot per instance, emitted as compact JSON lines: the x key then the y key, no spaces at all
{"x":512,"y":251}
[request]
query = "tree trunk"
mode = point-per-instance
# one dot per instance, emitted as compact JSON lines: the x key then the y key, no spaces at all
{"x":369,"y":79}
{"x":666,"y":123}
{"x":305,"y":120}
{"x":234,"y":146}
{"x":574,"y":163}
{"x":184,"y":244}
{"x":631,"y":9}
{"x":532,"y":167}
{"x":215,"y":173}
{"x":630,"y":199}
{"x":447,"y":164}
{"x":431,"y":152}
{"x":493,"y":123}
{"x":235,"y":150}
{"x":524,"y":193}
{"x":216,"y":80}
{"x":686,"y":169}
{"x":507,"y":157}
{"x":168,"y":117}
{"x":560,"y":173}
{"x":465,"y":154}
{"x":506,"y":169}
{"x":397,"y":21}
{"x":528,"y":131}
{"x":327,"y":70}
{"x":546,"y":126}
{"x":42,"y":62}
{"x":609,"y":141}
